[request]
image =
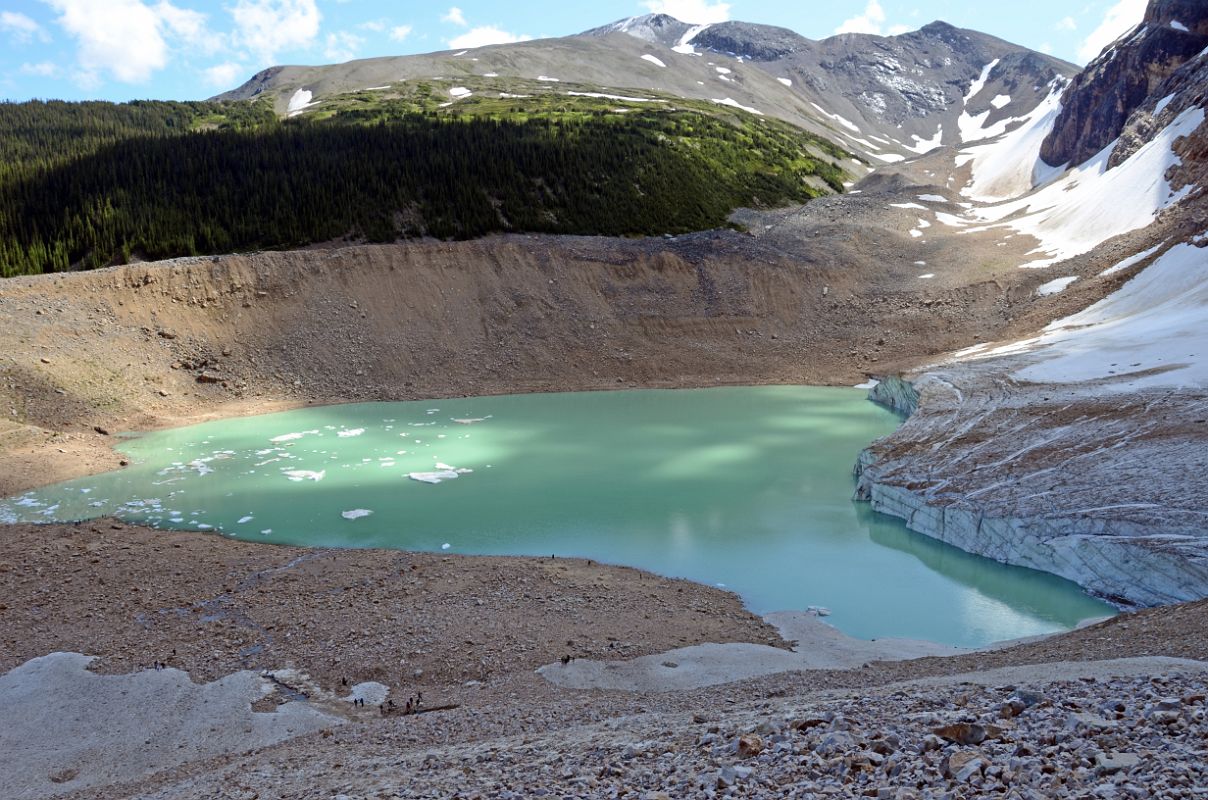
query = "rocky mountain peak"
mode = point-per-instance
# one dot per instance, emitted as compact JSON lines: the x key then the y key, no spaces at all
{"x":1099,"y":102}
{"x":751,"y":41}
{"x":656,"y":28}
{"x":1179,"y":14}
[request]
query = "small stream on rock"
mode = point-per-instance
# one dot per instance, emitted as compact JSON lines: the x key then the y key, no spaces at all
{"x":746,"y":488}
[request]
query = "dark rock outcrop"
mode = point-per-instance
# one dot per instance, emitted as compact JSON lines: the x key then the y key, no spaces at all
{"x":753,"y":42}
{"x":1101,"y":99}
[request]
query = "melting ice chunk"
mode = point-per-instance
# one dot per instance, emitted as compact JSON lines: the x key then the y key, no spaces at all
{"x":356,"y":513}
{"x":438,"y":476}
{"x":290,"y":437}
{"x":304,"y":474}
{"x":349,"y":433}
{"x":245,"y":520}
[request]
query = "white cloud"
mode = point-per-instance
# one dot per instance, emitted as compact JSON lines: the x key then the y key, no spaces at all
{"x":483,"y":36}
{"x":898,"y":30}
{"x":342,"y":46}
{"x":868,"y":22}
{"x":1046,"y":48}
{"x":267,"y":27}
{"x":20,"y":28}
{"x":400,"y":32}
{"x":223,"y":75}
{"x":1066,"y":24}
{"x":44,"y":69}
{"x":695,"y":11}
{"x":455,"y":16}
{"x":1119,"y":19}
{"x":124,"y":39}
{"x":187,"y":24}
{"x":375,"y":25}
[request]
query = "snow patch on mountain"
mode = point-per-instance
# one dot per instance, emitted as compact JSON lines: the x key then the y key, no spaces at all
{"x":300,"y":101}
{"x":729,"y":101}
{"x":844,"y":122}
{"x":1091,"y":203}
{"x":922,"y":145}
{"x":1010,"y":165}
{"x":1151,"y":333}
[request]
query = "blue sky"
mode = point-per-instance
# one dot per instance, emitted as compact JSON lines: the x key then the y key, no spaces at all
{"x":191,"y":49}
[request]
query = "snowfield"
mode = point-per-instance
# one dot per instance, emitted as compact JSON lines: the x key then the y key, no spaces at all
{"x":1090,"y":203}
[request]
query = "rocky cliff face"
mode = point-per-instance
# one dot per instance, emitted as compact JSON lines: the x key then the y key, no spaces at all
{"x":1098,"y":104}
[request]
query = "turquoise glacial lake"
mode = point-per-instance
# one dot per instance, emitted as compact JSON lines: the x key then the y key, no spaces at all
{"x":745,"y":488}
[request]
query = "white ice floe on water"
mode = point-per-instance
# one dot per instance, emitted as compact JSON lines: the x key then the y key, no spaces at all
{"x":436,"y":476}
{"x":470,"y":420}
{"x":1056,"y":286}
{"x":445,"y":546}
{"x":201,"y":466}
{"x":653,"y":60}
{"x":291,"y":437}
{"x":347,"y":434}
{"x":1092,"y":203}
{"x":871,"y":383}
{"x":729,"y":101}
{"x":304,"y":474}
{"x":355,"y":513}
{"x":246,"y":520}
{"x":443,"y":472}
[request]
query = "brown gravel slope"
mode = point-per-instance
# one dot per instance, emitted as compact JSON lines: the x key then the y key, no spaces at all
{"x":211,"y":606}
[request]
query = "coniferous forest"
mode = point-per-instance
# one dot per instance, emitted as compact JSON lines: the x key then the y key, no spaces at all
{"x":84,"y":185}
